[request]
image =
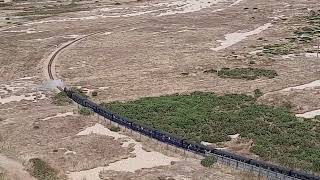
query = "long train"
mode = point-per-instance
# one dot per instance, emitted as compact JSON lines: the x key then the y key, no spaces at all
{"x":183,"y":143}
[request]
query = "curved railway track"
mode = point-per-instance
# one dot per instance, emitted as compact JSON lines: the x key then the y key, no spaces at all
{"x":51,"y":76}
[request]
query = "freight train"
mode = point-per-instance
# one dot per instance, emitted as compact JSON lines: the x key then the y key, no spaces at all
{"x":181,"y":142}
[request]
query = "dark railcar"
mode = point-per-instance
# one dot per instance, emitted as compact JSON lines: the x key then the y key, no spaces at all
{"x":303,"y":175}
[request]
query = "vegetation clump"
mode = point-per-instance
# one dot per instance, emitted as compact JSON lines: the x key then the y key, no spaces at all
{"x":257,"y":93}
{"x":61,"y":99}
{"x":208,"y":161}
{"x":41,"y":170}
{"x":246,"y":73}
{"x":94,"y":93}
{"x":115,"y":128}
{"x":85,"y":111}
{"x":278,"y":48}
{"x":277,"y":134}
{"x":210,"y":71}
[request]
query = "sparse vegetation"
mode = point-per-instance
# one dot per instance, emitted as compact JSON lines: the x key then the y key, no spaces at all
{"x":85,"y":111}
{"x":61,"y":99}
{"x":278,"y":48}
{"x":72,"y":7}
{"x":277,"y":134}
{"x":305,"y":34}
{"x":246,"y":73}
{"x":208,"y":161}
{"x":41,"y":170}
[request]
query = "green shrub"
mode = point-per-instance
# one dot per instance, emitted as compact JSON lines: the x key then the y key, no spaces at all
{"x":85,"y":111}
{"x":257,"y":93}
{"x":61,"y":99}
{"x":208,"y":161}
{"x":94,"y":93}
{"x":246,"y":73}
{"x":317,"y":117}
{"x":41,"y":170}
{"x":115,"y":128}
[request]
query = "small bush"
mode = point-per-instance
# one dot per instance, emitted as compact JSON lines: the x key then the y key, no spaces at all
{"x":61,"y":99}
{"x":94,"y":93}
{"x":317,"y":117}
{"x":115,"y":128}
{"x":210,"y":71}
{"x":41,"y":170}
{"x":85,"y":111}
{"x":257,"y":93}
{"x":208,"y":161}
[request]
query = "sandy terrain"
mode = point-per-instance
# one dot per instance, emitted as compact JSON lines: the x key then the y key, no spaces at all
{"x":143,"y":49}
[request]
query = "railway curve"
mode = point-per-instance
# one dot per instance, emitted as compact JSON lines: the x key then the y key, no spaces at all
{"x":268,"y":168}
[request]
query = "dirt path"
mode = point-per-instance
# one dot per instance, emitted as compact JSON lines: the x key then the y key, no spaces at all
{"x":14,"y":169}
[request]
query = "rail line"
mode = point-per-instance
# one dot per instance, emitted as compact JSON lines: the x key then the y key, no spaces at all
{"x":272,"y":172}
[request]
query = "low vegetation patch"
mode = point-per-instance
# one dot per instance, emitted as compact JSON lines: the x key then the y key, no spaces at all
{"x":41,"y":170}
{"x":115,"y":128}
{"x":85,"y":111}
{"x":208,"y":161}
{"x":257,"y":93}
{"x":277,"y":134}
{"x":61,"y":99}
{"x":246,"y":73}
{"x":278,"y":48}
{"x":94,"y":93}
{"x":305,"y":34}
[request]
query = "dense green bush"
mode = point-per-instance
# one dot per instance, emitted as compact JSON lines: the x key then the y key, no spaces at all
{"x":208,"y":161}
{"x":115,"y":128}
{"x":277,"y":134}
{"x":85,"y":111}
{"x":246,"y":73}
{"x":41,"y":170}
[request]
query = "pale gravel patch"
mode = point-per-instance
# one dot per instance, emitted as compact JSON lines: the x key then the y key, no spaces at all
{"x":142,"y":159}
{"x":59,"y":115}
{"x":234,"y":38}
{"x":310,"y":114}
{"x":27,"y":96}
{"x":310,"y":85}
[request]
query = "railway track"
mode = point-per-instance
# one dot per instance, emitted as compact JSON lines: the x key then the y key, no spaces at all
{"x":235,"y":161}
